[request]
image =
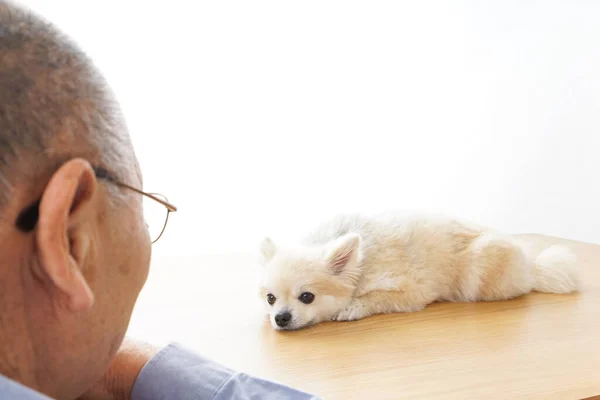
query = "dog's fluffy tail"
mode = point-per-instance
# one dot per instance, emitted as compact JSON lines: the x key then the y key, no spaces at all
{"x":555,"y":270}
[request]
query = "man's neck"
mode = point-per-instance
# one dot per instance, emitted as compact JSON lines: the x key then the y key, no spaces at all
{"x":17,"y":361}
{"x":16,"y":358}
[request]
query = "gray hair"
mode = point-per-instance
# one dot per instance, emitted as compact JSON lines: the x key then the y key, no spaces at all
{"x":54,"y":105}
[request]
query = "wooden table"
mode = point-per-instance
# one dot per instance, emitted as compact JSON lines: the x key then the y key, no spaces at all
{"x":537,"y":347}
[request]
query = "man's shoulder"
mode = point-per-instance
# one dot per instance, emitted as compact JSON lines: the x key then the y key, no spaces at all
{"x":15,"y":391}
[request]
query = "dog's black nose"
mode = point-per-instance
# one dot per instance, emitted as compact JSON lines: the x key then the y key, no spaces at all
{"x":283,"y":319}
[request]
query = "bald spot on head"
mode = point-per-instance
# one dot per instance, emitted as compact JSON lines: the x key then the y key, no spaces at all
{"x":54,"y":105}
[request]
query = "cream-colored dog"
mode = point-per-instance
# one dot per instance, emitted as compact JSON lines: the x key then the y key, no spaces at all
{"x":355,"y":266}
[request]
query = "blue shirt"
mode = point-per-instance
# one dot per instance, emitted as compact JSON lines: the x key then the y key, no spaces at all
{"x":178,"y":374}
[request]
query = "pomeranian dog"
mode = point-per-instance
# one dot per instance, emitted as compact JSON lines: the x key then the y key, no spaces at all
{"x":354,"y":266}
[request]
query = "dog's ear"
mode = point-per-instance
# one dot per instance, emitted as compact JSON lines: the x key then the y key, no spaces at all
{"x":267,"y":250}
{"x":343,"y":252}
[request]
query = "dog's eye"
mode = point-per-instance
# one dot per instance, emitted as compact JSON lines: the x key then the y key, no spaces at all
{"x":271,"y":299}
{"x":307,"y":297}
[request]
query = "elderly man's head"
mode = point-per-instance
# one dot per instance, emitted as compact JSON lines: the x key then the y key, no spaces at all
{"x":74,"y":248}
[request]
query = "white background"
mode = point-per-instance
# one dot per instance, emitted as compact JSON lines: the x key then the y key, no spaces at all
{"x":260,"y":117}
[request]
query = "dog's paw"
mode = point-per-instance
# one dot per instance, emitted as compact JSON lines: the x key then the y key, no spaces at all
{"x":354,"y":311}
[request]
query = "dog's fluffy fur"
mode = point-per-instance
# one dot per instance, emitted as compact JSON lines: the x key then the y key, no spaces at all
{"x":357,"y":266}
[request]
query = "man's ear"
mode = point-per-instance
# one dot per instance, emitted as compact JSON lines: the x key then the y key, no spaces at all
{"x":62,"y":242}
{"x":343,"y":253}
{"x":267,"y":250}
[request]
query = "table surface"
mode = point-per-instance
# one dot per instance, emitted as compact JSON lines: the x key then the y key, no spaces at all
{"x":538,"y":346}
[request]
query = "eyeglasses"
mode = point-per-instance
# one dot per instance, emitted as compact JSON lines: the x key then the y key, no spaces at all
{"x":156,"y":208}
{"x":156,"y":211}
